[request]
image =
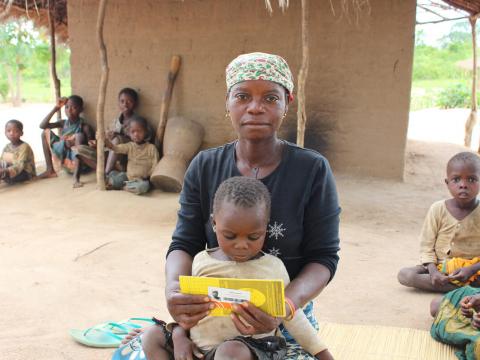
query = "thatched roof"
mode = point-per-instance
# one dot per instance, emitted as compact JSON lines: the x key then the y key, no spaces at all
{"x":470,"y":6}
{"x":37,"y":11}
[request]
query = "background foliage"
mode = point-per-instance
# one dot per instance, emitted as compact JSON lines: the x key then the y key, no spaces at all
{"x":438,"y":80}
{"x":25,"y":63}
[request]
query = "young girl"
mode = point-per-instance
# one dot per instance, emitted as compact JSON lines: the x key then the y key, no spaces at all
{"x":142,"y":158}
{"x":241,"y":211}
{"x":127,"y":103}
{"x":17,"y":163}
{"x":450,"y":239}
{"x":74,"y":131}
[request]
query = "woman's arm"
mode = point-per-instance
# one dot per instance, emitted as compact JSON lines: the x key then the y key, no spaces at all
{"x":308,"y":284}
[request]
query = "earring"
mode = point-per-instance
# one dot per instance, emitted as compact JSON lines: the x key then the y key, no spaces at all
{"x":285,"y":114}
{"x":227,"y":114}
{"x":214,"y":228}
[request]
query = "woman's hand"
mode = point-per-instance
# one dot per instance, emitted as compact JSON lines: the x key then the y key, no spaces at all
{"x":250,"y":320}
{"x":188,"y":310}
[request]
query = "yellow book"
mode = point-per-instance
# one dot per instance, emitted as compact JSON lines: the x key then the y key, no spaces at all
{"x":267,"y":295}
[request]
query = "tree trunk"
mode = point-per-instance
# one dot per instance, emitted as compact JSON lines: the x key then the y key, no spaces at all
{"x":17,"y":98}
{"x":101,"y":97}
{"x":472,"y":118}
{"x":302,"y":77}
{"x":53,"y":52}
{"x":11,"y":85}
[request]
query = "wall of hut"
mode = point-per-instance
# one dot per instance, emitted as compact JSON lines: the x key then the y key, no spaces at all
{"x":359,"y":79}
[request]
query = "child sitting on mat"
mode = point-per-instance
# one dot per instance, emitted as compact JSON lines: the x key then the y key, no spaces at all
{"x":450,"y":238}
{"x":17,"y":162}
{"x":142,"y":158}
{"x":241,"y":211}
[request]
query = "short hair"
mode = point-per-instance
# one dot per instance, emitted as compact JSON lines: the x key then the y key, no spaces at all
{"x":77,"y":100}
{"x":17,"y":123}
{"x":129,"y":92}
{"x":242,"y":191}
{"x":140,"y":121}
{"x":465,"y":157}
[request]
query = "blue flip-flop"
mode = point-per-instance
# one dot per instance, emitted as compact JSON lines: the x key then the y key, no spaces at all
{"x":108,"y":335}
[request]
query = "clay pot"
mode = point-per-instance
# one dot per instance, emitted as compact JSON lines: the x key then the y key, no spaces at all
{"x":181,"y":142}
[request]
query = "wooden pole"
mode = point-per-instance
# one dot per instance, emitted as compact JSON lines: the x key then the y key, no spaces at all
{"x":101,"y":97}
{"x":472,"y":118}
{"x":302,"y":77}
{"x":53,"y":52}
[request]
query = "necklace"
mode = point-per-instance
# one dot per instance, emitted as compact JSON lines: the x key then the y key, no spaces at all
{"x":255,"y":172}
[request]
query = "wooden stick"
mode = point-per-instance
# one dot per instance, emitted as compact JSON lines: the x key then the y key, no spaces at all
{"x":101,"y":97}
{"x":302,"y":77}
{"x":167,"y":96}
{"x":472,"y":118}
{"x":53,"y":52}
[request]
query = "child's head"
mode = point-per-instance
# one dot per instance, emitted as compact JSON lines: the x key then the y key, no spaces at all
{"x":74,"y":107}
{"x":463,"y":174}
{"x":127,"y":100}
{"x":241,"y":211}
{"x":13,"y":131}
{"x":137,"y":129}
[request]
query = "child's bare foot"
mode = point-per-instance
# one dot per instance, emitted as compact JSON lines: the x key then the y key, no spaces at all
{"x":77,"y":184}
{"x":47,"y":175}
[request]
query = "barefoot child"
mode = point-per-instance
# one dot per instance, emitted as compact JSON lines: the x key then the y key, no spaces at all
{"x":450,"y":238}
{"x":127,"y":103}
{"x":17,"y":163}
{"x":74,"y":131}
{"x":241,"y":211}
{"x":142,"y":158}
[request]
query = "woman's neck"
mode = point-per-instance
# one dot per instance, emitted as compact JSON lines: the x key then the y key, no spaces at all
{"x":259,"y":153}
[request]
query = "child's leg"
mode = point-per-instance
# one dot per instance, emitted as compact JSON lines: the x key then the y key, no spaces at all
{"x":47,"y":152}
{"x":137,"y":187}
{"x":418,"y":277}
{"x":76,"y":172}
{"x":112,"y":157}
{"x":233,"y":350}
{"x":154,"y":344}
{"x":435,"y":306}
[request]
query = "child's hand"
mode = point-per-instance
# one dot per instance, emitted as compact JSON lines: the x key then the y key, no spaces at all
{"x":469,"y":304}
{"x":476,"y":320}
{"x":109,"y":135}
{"x":69,"y":143}
{"x":183,"y":347}
{"x":61,"y":102}
{"x":92,"y":143}
{"x":462,"y":274}
{"x":439,"y":279}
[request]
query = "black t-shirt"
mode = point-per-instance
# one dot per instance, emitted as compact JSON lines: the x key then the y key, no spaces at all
{"x":304,"y":218}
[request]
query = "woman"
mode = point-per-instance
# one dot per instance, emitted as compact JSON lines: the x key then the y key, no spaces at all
{"x":303,"y":229}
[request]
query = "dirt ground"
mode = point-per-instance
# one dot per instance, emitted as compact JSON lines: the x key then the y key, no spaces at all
{"x":75,"y":258}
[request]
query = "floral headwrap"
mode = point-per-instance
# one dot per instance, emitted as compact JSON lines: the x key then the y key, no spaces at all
{"x":259,"y":66}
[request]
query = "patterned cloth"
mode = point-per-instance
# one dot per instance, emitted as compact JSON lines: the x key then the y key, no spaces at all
{"x":451,"y":327}
{"x":448,"y":266}
{"x":62,"y":155}
{"x":17,"y":160}
{"x":259,"y":66}
{"x":294,"y":350}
